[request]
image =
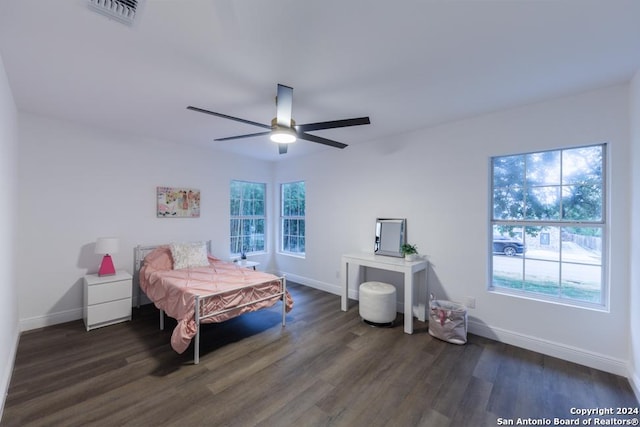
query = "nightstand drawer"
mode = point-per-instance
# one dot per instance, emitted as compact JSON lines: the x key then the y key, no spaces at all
{"x":109,"y":292}
{"x":109,"y":311}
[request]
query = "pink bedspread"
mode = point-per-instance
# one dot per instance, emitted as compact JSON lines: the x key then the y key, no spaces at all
{"x":174,"y":291}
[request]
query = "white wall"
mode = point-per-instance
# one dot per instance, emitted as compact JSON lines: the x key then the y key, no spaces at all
{"x":634,"y":300}
{"x":78,"y":183}
{"x":438,"y":179}
{"x":8,"y":189}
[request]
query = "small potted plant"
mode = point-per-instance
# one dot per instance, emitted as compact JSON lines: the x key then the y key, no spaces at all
{"x":409,"y":251}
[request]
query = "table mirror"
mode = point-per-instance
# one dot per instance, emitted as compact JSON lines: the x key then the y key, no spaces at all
{"x":390,"y":236}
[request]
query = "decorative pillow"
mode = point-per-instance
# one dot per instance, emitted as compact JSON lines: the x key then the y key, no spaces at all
{"x":187,"y":255}
{"x":159,"y":258}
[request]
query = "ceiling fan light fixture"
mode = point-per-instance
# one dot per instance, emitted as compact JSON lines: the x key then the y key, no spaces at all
{"x":283,"y":130}
{"x":283,"y":135}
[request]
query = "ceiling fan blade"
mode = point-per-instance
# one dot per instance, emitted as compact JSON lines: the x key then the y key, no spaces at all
{"x":284,"y":102}
{"x":333,"y":124}
{"x":224,"y":116}
{"x":250,"y":135}
{"x":282,"y":148}
{"x":321,"y":140}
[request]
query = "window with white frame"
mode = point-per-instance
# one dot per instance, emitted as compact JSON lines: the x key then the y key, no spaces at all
{"x":248,"y":218}
{"x":292,"y":218}
{"x":548,"y":225}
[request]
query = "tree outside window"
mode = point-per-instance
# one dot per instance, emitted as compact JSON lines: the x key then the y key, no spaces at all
{"x":548,"y":224}
{"x":292,"y":216}
{"x":247,"y":217}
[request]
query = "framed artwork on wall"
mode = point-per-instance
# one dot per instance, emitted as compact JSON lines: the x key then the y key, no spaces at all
{"x":178,"y":202}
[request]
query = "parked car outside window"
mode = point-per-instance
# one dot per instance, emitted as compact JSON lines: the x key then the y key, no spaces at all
{"x":508,"y":246}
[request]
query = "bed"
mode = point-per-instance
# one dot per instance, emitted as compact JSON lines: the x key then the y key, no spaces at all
{"x":186,"y":282}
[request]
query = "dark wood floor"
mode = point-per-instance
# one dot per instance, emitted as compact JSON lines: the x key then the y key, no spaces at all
{"x":325,"y":368}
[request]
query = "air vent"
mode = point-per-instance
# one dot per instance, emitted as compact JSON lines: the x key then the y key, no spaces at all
{"x":121,"y":10}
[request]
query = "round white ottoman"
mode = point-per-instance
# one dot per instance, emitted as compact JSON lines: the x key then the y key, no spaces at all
{"x":377,"y":302}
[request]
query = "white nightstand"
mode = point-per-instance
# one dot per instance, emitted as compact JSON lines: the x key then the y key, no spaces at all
{"x":247,"y":264}
{"x":107,"y":299}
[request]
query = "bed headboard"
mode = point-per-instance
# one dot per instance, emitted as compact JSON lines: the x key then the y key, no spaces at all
{"x":139,"y":252}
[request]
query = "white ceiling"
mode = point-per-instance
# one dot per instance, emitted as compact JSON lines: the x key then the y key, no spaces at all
{"x":406,"y":64}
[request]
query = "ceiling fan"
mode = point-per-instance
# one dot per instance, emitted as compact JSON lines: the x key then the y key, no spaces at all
{"x":283,"y":128}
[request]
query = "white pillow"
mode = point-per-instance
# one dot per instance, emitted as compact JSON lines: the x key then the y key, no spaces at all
{"x":187,"y":255}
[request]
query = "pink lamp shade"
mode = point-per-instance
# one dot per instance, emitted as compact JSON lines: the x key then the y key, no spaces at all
{"x":106,"y":246}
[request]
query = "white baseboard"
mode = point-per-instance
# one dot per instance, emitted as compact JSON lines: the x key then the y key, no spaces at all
{"x":634,"y":380}
{"x":50,"y":319}
{"x":561,"y":351}
{"x":322,"y":286}
{"x":66,"y":316}
{"x":554,"y":349}
{"x":5,"y":377}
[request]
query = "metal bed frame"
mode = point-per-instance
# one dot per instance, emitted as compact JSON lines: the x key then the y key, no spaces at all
{"x":200,"y":300}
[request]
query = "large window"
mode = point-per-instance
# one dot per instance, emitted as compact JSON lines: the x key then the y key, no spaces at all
{"x":292,"y":215}
{"x":247,"y":225}
{"x":548,"y":225}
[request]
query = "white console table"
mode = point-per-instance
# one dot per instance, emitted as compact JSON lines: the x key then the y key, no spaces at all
{"x":408,"y":268}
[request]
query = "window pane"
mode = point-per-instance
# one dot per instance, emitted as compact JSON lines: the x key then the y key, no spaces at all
{"x":244,"y":207}
{"x":582,"y":165}
{"x":542,"y":266}
{"x":293,"y":211}
{"x":534,"y":253}
{"x":235,"y":207}
{"x":543,"y":168}
{"x":582,"y":202}
{"x":542,"y":277}
{"x":507,"y":265}
{"x":508,"y":272}
{"x":508,"y":202}
{"x":507,"y":171}
{"x":246,"y":191}
{"x":582,"y":258}
{"x":582,"y":283}
{"x":543,"y":203}
{"x":543,"y":243}
{"x":236,"y":189}
{"x":247,"y":209}
{"x":258,"y":207}
{"x":235,"y":247}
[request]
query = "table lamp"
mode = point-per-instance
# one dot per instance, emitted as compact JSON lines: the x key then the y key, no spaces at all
{"x":107,"y":246}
